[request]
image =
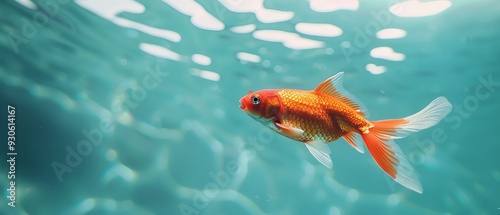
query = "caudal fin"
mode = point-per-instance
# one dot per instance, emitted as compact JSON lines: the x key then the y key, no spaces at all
{"x":388,"y":155}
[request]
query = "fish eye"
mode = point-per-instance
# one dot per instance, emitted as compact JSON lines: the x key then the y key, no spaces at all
{"x":255,"y":100}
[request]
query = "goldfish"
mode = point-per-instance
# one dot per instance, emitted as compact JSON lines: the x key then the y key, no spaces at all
{"x":327,"y":113}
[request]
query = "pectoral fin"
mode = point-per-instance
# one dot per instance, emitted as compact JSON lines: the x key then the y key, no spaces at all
{"x":289,"y":131}
{"x":321,"y":152}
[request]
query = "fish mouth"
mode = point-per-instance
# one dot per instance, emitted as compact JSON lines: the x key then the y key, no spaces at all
{"x":243,"y":106}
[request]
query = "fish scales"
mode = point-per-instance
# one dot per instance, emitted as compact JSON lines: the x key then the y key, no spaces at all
{"x":321,"y":117}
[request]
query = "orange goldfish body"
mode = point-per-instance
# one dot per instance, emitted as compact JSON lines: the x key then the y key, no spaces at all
{"x":328,"y":113}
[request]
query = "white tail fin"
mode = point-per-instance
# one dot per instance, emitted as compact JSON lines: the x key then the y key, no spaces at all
{"x":388,"y":155}
{"x":427,"y":117}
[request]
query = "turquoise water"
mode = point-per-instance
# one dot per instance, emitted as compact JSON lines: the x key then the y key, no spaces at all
{"x":131,"y":107}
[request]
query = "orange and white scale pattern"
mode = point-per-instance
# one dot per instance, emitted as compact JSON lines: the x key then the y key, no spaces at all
{"x":321,"y":117}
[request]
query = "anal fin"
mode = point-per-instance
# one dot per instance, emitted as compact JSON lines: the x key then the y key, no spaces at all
{"x":355,"y":140}
{"x":390,"y":158}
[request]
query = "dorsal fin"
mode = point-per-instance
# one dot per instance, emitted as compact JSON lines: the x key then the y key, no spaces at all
{"x":333,"y":87}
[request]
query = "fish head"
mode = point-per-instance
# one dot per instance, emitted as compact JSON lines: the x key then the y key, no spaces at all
{"x":263,"y":104}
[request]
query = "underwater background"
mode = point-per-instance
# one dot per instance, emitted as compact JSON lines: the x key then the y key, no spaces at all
{"x":131,"y":107}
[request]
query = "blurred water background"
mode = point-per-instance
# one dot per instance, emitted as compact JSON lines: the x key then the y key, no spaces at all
{"x":131,"y":107}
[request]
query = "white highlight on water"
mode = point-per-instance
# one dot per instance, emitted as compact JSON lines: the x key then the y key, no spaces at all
{"x":159,"y":51}
{"x":205,"y":74}
{"x":27,"y":3}
{"x":415,"y":8}
{"x":248,"y":57}
{"x":109,"y":9}
{"x":387,"y":53}
{"x":333,"y":5}
{"x":243,"y":29}
{"x":264,"y":15}
{"x":391,"y":33}
{"x":201,"y":59}
{"x":374,"y":69}
{"x":318,"y":29}
{"x":290,"y":40}
{"x":199,"y":16}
